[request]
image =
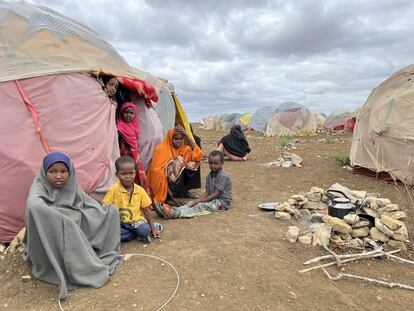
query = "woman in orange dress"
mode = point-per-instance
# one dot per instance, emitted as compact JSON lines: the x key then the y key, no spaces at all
{"x":172,"y":164}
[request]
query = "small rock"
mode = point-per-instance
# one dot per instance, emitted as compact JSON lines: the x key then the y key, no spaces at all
{"x":377,"y":235}
{"x":282,"y":215}
{"x":384,"y":202}
{"x":337,"y":238}
{"x":287,"y":164}
{"x":26,"y":278}
{"x":355,"y":243}
{"x":401,"y":234}
{"x":391,"y":223}
{"x":306,"y":239}
{"x":360,"y":232}
{"x":2,"y":257}
{"x":282,"y":206}
{"x":317,"y":217}
{"x":374,"y":205}
{"x":337,"y":224}
{"x":351,"y":219}
{"x":359,"y":194}
{"x":396,"y":244}
{"x":311,"y":205}
{"x":345,"y":236}
{"x":290,"y":209}
{"x":388,"y":208}
{"x":296,"y":160}
{"x":383,"y":228}
{"x":317,"y":190}
{"x":361,"y":223}
{"x":313,"y":196}
{"x":297,"y":214}
{"x":298,"y":197}
{"x":292,"y":234}
{"x":324,"y":199}
{"x":304,"y":212}
{"x":2,"y":248}
{"x":321,"y":235}
{"x":135,"y":290}
{"x":396,"y":215}
{"x":291,"y":201}
{"x":370,"y":212}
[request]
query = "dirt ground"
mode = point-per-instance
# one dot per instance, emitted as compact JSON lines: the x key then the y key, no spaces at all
{"x":238,"y":259}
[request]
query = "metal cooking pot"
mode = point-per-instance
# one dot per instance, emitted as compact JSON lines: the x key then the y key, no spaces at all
{"x":339,"y":207}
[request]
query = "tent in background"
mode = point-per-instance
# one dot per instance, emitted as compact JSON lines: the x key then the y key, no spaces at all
{"x":291,"y":119}
{"x":337,"y":120}
{"x":260,"y":118}
{"x":245,"y":119}
{"x":384,"y":131}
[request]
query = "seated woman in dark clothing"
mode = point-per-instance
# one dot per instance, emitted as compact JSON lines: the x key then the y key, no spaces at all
{"x":234,"y":145}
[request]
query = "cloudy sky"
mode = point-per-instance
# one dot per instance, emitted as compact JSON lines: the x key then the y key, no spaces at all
{"x":235,"y":56}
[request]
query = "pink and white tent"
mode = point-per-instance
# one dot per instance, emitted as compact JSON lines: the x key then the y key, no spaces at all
{"x":49,"y":101}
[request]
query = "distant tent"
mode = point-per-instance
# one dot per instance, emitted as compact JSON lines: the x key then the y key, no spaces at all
{"x":230,"y":120}
{"x":320,"y":120}
{"x":220,"y":122}
{"x":337,"y":120}
{"x":209,"y":123}
{"x":384,"y":131}
{"x":291,"y":119}
{"x":260,"y":118}
{"x":245,"y":119}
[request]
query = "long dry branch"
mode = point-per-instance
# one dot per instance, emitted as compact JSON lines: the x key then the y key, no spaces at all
{"x":320,"y":258}
{"x":348,"y":260}
{"x":366,"y":279}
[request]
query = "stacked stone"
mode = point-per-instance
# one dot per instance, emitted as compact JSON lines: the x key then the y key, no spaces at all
{"x":388,"y":228}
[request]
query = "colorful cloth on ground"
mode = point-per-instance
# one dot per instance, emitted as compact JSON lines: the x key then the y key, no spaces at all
{"x":163,"y":154}
{"x":236,"y":142}
{"x":220,"y":181}
{"x":200,"y":209}
{"x":129,"y":206}
{"x":71,"y":241}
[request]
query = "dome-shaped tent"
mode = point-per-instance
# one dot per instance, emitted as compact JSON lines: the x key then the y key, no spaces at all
{"x":337,"y":120}
{"x":383,"y":136}
{"x":260,"y":118}
{"x":291,"y":119}
{"x":49,"y":103}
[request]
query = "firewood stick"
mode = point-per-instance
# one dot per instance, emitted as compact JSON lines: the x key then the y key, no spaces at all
{"x":348,"y":260}
{"x":366,"y":279}
{"x":337,"y":258}
{"x":320,"y":258}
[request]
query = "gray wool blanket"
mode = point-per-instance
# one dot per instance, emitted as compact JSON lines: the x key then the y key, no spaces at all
{"x":71,"y":240}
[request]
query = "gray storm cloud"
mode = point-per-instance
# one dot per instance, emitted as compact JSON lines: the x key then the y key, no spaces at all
{"x":226,"y":56}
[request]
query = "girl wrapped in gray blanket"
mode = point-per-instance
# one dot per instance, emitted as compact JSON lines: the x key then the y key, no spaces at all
{"x":71,"y":241}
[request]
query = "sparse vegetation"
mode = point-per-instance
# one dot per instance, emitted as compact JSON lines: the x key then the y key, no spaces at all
{"x":342,"y":159}
{"x":285,"y":143}
{"x":330,"y":141}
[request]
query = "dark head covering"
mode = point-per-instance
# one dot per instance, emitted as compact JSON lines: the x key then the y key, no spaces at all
{"x":56,"y":157}
{"x":236,"y":142}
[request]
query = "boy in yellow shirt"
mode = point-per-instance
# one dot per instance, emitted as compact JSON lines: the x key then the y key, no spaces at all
{"x":133,"y":204}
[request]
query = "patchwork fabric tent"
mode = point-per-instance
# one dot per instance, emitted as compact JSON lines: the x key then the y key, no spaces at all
{"x":383,"y":139}
{"x":320,"y":120}
{"x":337,"y":120}
{"x":291,"y":119}
{"x":51,"y":101}
{"x":245,"y":119}
{"x":261,"y":117}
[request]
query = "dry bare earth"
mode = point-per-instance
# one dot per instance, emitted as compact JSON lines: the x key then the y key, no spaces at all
{"x":238,"y":259}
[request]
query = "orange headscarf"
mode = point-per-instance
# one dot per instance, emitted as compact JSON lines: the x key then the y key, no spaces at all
{"x":163,"y":154}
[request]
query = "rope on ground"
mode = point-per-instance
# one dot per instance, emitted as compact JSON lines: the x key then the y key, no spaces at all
{"x":160,"y":259}
{"x":172,"y":267}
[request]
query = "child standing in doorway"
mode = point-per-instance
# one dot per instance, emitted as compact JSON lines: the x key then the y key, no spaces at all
{"x":128,"y":129}
{"x":133,"y":204}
